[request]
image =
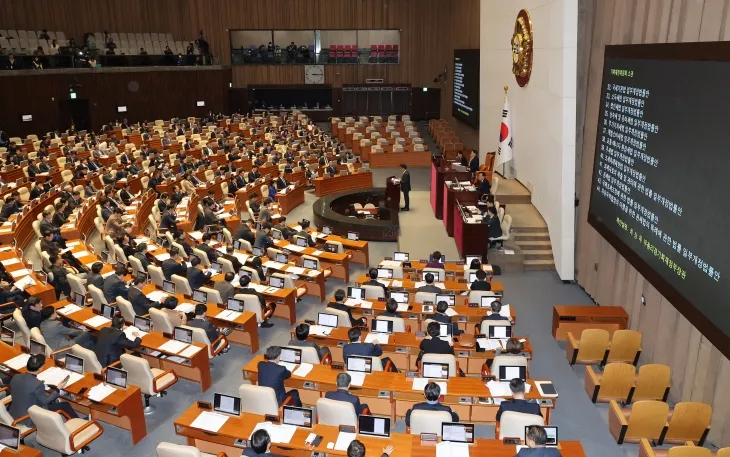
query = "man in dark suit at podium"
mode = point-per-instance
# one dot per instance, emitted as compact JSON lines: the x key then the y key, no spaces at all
{"x":405,"y":186}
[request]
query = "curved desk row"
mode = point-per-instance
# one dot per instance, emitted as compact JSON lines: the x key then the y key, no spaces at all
{"x":326,"y":186}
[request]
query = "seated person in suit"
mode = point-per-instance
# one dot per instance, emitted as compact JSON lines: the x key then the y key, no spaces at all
{"x":205,"y":247}
{"x":246,"y":232}
{"x":481,"y":282}
{"x":139,"y":300}
{"x":27,"y":390}
{"x":391,"y":308}
{"x":373,"y":281}
{"x":200,"y":321}
{"x":343,"y":393}
{"x":140,"y":253}
{"x":495,"y":228}
{"x":263,"y":238}
{"x":435,"y":261}
{"x":496,"y":307}
{"x":112,"y":342}
{"x":339,"y":304}
{"x":304,"y":234}
{"x":429,"y":287}
{"x":266,"y":310}
{"x":231,"y":258}
{"x":536,"y":440}
{"x":173,"y":265}
{"x":260,"y":445}
{"x":357,"y":449}
{"x":32,"y":312}
{"x":356,"y":347}
{"x":273,"y":375}
{"x":441,"y":316}
{"x":58,"y":336}
{"x":225,"y":289}
{"x":180,"y":239}
{"x":513,"y":348}
{"x":482,"y":184}
{"x":95,"y":278}
{"x":433,"y":344}
{"x":177,"y":318}
{"x":518,"y":402}
{"x":432,"y":391}
{"x":196,"y":276}
{"x":114,"y":285}
{"x":302,"y":332}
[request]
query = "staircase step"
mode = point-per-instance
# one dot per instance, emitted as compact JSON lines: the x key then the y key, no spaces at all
{"x":544,"y":254}
{"x":533,"y":245}
{"x":532,"y":229}
{"x":532,"y":265}
{"x":514,"y":199}
{"x":519,"y":237}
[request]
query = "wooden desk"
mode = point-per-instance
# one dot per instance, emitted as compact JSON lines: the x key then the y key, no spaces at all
{"x":441,"y":171}
{"x":391,"y":394}
{"x":403,"y":349}
{"x":359,"y":249}
{"x":291,"y":199}
{"x":575,"y":319}
{"x":44,"y":291}
{"x":24,"y":451}
{"x":451,"y":195}
{"x":471,"y":239}
{"x":394,"y":159}
{"x":285,"y":300}
{"x":326,"y":186}
{"x":409,"y":285}
{"x":339,"y":263}
{"x":451,"y":269}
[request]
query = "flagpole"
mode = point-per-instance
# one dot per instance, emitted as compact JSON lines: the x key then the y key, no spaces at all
{"x":504,"y":164}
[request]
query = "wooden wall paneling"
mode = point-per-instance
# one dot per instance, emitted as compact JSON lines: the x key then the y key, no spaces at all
{"x":693,"y":20}
{"x":703,"y":371}
{"x":725,"y":26}
{"x":606,"y":267}
{"x":679,"y":359}
{"x":638,"y":30}
{"x":665,"y":339}
{"x":721,"y":406}
{"x":635,"y":303}
{"x":712,"y":20}
{"x":648,"y":320}
{"x":691,"y":365}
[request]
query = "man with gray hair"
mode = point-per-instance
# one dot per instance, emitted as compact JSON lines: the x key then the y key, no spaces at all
{"x":343,"y":394}
{"x":273,"y":375}
{"x":536,"y":440}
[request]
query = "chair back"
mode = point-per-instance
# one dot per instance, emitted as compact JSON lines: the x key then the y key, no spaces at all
{"x":689,"y":451}
{"x":254,"y":273}
{"x":199,"y":336}
{"x":438,"y":273}
{"x":35,"y":334}
{"x":593,"y":344}
{"x":160,"y":321}
{"x":484,"y":325}
{"x":97,"y":297}
{"x":202,"y":256}
{"x":177,"y":450}
{"x":51,"y":431}
{"x":137,"y":266}
{"x":373,"y":292}
{"x":22,"y":325}
{"x":343,"y":319}
{"x":258,"y":400}
{"x":334,"y":412}
{"x":126,"y":309}
{"x":625,"y":346}
{"x":156,"y":275}
{"x":653,"y":382}
{"x":475,"y":296}
{"x":214,"y":296}
{"x":5,"y":416}
{"x":617,"y":381}
{"x":251,"y":303}
{"x":507,"y":360}
{"x":512,"y":424}
{"x":647,"y":420}
{"x":139,"y":373}
{"x":119,"y":254}
{"x":245,"y":245}
{"x":442,"y":358}
{"x":422,"y":297}
{"x":423,"y":421}
{"x":340,"y":247}
{"x":690,"y":422}
{"x":226,"y":265}
{"x":309,"y":354}
{"x":399,"y":324}
{"x":91,"y":363}
{"x":182,"y":286}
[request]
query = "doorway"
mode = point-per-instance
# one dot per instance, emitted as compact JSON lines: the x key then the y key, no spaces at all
{"x":74,"y":112}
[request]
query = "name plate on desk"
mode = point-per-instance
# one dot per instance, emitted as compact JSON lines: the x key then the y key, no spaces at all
{"x":241,"y":443}
{"x":545,"y":402}
{"x":338,"y":366}
{"x":383,"y":394}
{"x":367,"y":312}
{"x":309,"y":385}
{"x":462,"y":281}
{"x":461,"y":319}
{"x":463,"y":354}
{"x":347,"y":429}
{"x":413,"y":317}
{"x":400,"y":350}
{"x":473,"y":305}
{"x":465,"y":400}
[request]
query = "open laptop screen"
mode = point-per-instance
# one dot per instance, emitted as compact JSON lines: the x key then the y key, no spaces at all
{"x":373,"y":425}
{"x":226,"y":404}
{"x":456,"y":432}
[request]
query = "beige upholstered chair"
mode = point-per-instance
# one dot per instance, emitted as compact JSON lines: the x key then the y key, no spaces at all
{"x":258,"y":400}
{"x":91,"y":363}
{"x":22,"y":325}
{"x":77,"y":285}
{"x":214,"y":347}
{"x":373,"y":292}
{"x":156,"y":275}
{"x":97,"y":297}
{"x":126,"y":309}
{"x":343,"y":319}
{"x":151,"y":381}
{"x":443,"y":358}
{"x":180,"y":450}
{"x":7,"y":419}
{"x":512,"y":424}
{"x":67,"y":437}
{"x":182,"y":286}
{"x":35,"y":334}
{"x":334,"y":412}
{"x":423,"y":421}
{"x":160,"y":321}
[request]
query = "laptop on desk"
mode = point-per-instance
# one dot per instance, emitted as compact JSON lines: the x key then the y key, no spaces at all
{"x":226,"y":404}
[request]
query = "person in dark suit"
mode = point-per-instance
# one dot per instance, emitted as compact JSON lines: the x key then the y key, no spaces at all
{"x":281,"y":181}
{"x":304,"y":234}
{"x":343,"y":393}
{"x":141,"y":255}
{"x":196,"y":276}
{"x":201,"y":322}
{"x":273,"y":375}
{"x":27,"y":390}
{"x":355,"y":347}
{"x":225,"y":289}
{"x":231,"y":258}
{"x":357,"y":449}
{"x":33,"y":169}
{"x":339,"y":304}
{"x":331,"y":168}
{"x":167,"y":218}
{"x":496,"y":307}
{"x":433,"y":344}
{"x":112,"y":342}
{"x":209,"y":217}
{"x":172,"y":266}
{"x":302,"y":332}
{"x":405,"y":187}
{"x":518,"y":402}
{"x":260,"y":445}
{"x":245,"y":231}
{"x":139,"y":300}
{"x":482,"y":184}
{"x":114,"y":285}
{"x":391,"y":308}
{"x":481,"y":282}
{"x":125,"y":195}
{"x":432,"y":391}
{"x":60,"y":276}
{"x":38,"y":189}
{"x":95,"y":278}
{"x":205,"y":247}
{"x":536,"y":440}
{"x":474,"y":162}
{"x":461,"y":159}
{"x":263,"y":238}
{"x":495,"y":228}
{"x":266,"y":310}
{"x":32,"y":312}
{"x":59,"y":336}
{"x":106,"y":208}
{"x":429,"y":287}
{"x":180,"y":239}
{"x":373,"y":281}
{"x":440,"y":316}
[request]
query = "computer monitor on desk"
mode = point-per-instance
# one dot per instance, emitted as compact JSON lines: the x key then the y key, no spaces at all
{"x":400,"y":256}
{"x":510,"y":372}
{"x":37,"y":348}
{"x":500,"y":332}
{"x":309,"y":264}
{"x":400,"y":297}
{"x":116,"y":377}
{"x":291,"y":355}
{"x":298,"y":417}
{"x":7,"y":336}
{"x":168,"y":286}
{"x":227,"y":404}
{"x":448,"y":298}
{"x":457,"y":432}
{"x":258,"y":252}
{"x":382,"y":326}
{"x":74,"y":364}
{"x":435,"y":370}
{"x":470,"y":258}
{"x":358,"y":293}
{"x":360,"y":364}
{"x":327,"y":320}
{"x":9,"y":437}
{"x":234,"y":305}
{"x":184,"y":335}
{"x":144,"y":324}
{"x":385,"y":273}
{"x":373,"y":426}
{"x":276,"y":282}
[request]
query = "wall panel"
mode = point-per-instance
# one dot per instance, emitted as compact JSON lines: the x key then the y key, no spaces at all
{"x":699,"y":371}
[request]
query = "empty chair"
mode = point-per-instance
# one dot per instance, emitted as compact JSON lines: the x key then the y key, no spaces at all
{"x":327,"y":272}
{"x":151,"y":381}
{"x":512,"y":424}
{"x":214,"y":347}
{"x":475,"y":296}
{"x":443,"y":358}
{"x":646,"y":419}
{"x":301,"y":290}
{"x":507,"y":360}
{"x":676,"y":451}
{"x":126,"y":309}
{"x":615,"y":383}
{"x":91,"y":363}
{"x":690,"y":421}
{"x":67,"y":437}
{"x":423,"y":421}
{"x":590,"y":349}
{"x":625,"y":347}
{"x":226,"y":265}
{"x":399,"y":324}
{"x":343,"y":320}
{"x":97,"y":297}
{"x":202,"y":256}
{"x":160,"y":321}
{"x":259,"y":400}
{"x":252,"y":304}
{"x":422,"y":297}
{"x":334,"y":412}
{"x":373,"y":292}
{"x":180,"y":450}
{"x":156,"y":275}
{"x":652,"y":383}
{"x":136,"y":265}
{"x":213,"y":295}
{"x":182,"y":286}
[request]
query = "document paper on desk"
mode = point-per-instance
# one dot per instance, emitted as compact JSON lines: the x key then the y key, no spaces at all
{"x":319,"y":330}
{"x":54,"y":375}
{"x":19,"y":273}
{"x":488,"y":345}
{"x":501,"y":388}
{"x":7,"y":263}
{"x":156,"y":295}
{"x":18,"y":362}
{"x":172,"y":346}
{"x":68,"y":309}
{"x":382,"y":338}
{"x":97,"y":321}
{"x":80,"y":254}
{"x":131,"y":330}
{"x":24,"y":283}
{"x":100,"y":391}
{"x":449,"y":449}
{"x":420,"y":384}
{"x":278,"y":433}
{"x":343,"y":440}
{"x":210,"y":422}
{"x":357,"y":378}
{"x":229,"y":315}
{"x":303,"y":369}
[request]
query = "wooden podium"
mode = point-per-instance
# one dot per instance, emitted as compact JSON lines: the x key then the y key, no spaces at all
{"x":392,"y":193}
